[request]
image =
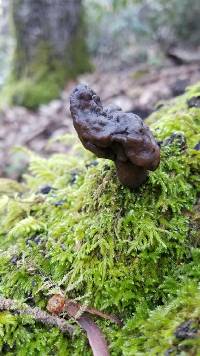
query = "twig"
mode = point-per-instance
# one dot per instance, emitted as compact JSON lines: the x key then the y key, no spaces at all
{"x":36,"y":313}
{"x":75,"y":310}
{"x":58,"y":304}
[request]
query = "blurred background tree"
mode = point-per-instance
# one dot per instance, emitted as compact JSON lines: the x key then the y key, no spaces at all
{"x":126,"y":32}
{"x":6,"y":41}
{"x":52,"y":43}
{"x":50,"y":49}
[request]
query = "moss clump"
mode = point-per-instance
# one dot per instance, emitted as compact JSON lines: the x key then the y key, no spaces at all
{"x":175,"y":116}
{"x":129,"y":253}
{"x":169,"y":330}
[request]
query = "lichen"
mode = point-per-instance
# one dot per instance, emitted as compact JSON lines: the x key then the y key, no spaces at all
{"x":133,"y":254}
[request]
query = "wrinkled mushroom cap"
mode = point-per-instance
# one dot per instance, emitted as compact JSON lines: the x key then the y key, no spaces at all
{"x":83,"y":98}
{"x":111,"y":133}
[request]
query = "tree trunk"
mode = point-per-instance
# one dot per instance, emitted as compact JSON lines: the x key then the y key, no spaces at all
{"x":6,"y":43}
{"x":50,"y":48}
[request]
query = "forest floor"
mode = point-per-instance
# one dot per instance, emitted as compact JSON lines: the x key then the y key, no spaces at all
{"x":140,"y":91}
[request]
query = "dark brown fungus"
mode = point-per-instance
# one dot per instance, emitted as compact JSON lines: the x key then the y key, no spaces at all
{"x":116,"y":135}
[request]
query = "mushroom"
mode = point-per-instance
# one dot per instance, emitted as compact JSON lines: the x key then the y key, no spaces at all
{"x":113,"y":134}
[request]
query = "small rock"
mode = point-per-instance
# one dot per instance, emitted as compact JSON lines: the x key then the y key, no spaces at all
{"x":93,"y":163}
{"x":178,"y":138}
{"x":73,"y":178}
{"x":15,"y":259}
{"x":197,"y":146}
{"x":170,"y":351}
{"x":59,"y":203}
{"x":179,"y":86}
{"x":45,"y":189}
{"x":186,"y":330}
{"x":194,"y":102}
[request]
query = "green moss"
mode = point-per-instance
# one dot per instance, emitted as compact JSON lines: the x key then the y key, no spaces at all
{"x":155,"y":333}
{"x":176,"y":116}
{"x":129,"y":253}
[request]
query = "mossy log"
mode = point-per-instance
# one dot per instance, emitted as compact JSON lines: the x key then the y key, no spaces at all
{"x":72,"y":228}
{"x":50,"y":49}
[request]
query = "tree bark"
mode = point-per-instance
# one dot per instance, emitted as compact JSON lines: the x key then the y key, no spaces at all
{"x":50,"y":47}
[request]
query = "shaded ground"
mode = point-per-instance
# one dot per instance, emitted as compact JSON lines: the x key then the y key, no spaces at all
{"x":138,"y":91}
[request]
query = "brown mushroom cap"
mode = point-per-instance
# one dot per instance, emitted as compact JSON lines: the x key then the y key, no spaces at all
{"x":113,"y":134}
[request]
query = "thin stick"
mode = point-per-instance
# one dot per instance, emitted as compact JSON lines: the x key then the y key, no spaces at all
{"x":36,"y":313}
{"x":75,"y":310}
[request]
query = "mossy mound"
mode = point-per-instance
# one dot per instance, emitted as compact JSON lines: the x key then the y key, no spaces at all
{"x":72,"y":227}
